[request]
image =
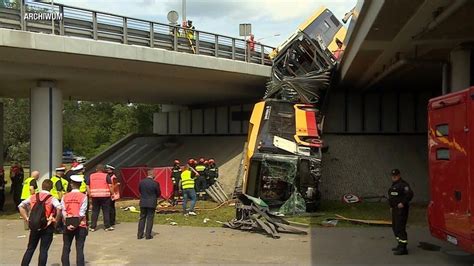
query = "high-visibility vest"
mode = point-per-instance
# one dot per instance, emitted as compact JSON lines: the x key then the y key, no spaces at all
{"x":48,"y":204}
{"x":200,"y":168}
{"x":186,"y":180}
{"x":54,"y":191}
{"x":25,"y":192}
{"x":83,"y":187}
{"x":98,"y":185}
{"x":73,"y":202}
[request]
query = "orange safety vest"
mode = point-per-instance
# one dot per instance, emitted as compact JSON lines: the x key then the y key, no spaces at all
{"x":48,"y":204}
{"x":73,"y":202}
{"x":116,"y":188}
{"x":98,"y":185}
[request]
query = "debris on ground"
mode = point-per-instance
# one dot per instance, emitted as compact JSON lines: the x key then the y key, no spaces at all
{"x":217,"y":193}
{"x":251,"y":216}
{"x":22,"y":236}
{"x":206,"y":220}
{"x":131,"y":209}
{"x":329,"y":223}
{"x":362,"y":221}
{"x":173,"y":223}
{"x":350,"y":198}
{"x":298,"y":224}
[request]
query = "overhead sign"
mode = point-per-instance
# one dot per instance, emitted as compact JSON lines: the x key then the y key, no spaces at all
{"x":245,"y":29}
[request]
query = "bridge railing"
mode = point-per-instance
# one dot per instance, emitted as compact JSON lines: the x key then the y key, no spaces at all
{"x":103,"y":26}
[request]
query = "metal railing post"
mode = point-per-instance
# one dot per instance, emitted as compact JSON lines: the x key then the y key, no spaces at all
{"x":61,"y":22}
{"x":175,"y":39}
{"x":94,"y":25}
{"x":152,"y":35}
{"x":196,"y":34}
{"x":125,"y":37}
{"x":233,"y":48}
{"x":262,"y":54}
{"x":22,"y":15}
{"x":216,"y":46}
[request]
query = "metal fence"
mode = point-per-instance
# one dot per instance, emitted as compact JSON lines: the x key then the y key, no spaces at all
{"x":90,"y":24}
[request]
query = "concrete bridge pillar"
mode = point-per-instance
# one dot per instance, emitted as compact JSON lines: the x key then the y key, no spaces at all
{"x":462,"y":68}
{"x":46,"y":105}
{"x":2,"y":159}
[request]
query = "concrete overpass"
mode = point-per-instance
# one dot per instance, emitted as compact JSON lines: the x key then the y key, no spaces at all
{"x":398,"y":55}
{"x":98,"y":56}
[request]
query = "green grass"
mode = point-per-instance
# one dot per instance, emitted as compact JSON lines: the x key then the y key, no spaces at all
{"x":376,"y":211}
{"x":222,"y":214}
{"x":369,"y":211}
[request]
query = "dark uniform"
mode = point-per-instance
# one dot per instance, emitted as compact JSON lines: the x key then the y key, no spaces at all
{"x":212,"y":173}
{"x":400,"y":192}
{"x":201,"y":183}
{"x":176,"y":177}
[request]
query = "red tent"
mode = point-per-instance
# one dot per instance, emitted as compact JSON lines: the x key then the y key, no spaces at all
{"x":131,"y":177}
{"x":163,"y":177}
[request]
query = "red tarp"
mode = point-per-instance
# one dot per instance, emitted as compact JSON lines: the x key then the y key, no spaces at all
{"x":130,"y":179}
{"x":132,"y":176}
{"x":163,"y":176}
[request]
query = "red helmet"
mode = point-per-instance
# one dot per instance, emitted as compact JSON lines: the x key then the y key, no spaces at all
{"x":176,"y":161}
{"x":206,"y":162}
{"x":201,"y":160}
{"x":211,"y":161}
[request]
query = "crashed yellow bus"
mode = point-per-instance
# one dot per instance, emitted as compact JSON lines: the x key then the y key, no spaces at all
{"x":284,"y":145}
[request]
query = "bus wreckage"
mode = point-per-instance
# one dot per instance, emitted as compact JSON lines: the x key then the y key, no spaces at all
{"x":284,"y":147}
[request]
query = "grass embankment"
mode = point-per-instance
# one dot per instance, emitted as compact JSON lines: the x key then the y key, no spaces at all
{"x":206,"y":209}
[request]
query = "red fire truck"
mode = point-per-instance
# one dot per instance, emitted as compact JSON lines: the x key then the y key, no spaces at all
{"x":451,"y":163}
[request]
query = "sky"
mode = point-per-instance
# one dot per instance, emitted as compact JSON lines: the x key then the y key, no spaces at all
{"x":268,"y":17}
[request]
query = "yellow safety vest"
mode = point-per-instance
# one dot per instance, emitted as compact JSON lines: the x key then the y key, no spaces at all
{"x":64,"y":182}
{"x":83,"y":187}
{"x":25,"y":192}
{"x":200,"y":168}
{"x":187,"y":181}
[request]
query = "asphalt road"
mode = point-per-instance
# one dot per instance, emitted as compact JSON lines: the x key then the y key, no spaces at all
{"x":196,"y":245}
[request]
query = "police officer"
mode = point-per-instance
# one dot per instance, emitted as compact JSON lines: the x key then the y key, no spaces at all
{"x":176,"y":177}
{"x":399,"y":197}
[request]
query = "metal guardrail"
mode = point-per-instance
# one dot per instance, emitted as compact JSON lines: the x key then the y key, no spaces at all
{"x":90,"y":24}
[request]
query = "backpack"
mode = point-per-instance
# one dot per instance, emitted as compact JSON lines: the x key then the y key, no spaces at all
{"x":38,"y":220}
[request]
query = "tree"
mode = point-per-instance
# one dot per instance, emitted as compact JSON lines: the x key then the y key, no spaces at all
{"x":16,"y":121}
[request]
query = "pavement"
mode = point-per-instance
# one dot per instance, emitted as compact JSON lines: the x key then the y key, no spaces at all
{"x":199,"y":245}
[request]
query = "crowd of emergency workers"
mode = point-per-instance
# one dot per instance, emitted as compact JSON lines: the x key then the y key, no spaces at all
{"x":61,"y":204}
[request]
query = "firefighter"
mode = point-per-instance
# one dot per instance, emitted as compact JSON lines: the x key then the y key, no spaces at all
{"x":201,"y":183}
{"x":399,"y":197}
{"x":176,"y":177}
{"x":212,"y":172}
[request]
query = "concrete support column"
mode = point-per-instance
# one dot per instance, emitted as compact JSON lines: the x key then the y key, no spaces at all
{"x":46,"y":106}
{"x":2,"y":160}
{"x":461,"y":64}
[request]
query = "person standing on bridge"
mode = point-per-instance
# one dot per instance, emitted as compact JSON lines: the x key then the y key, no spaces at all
{"x":399,"y":197}
{"x":99,"y":187}
{"x":149,"y":193}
